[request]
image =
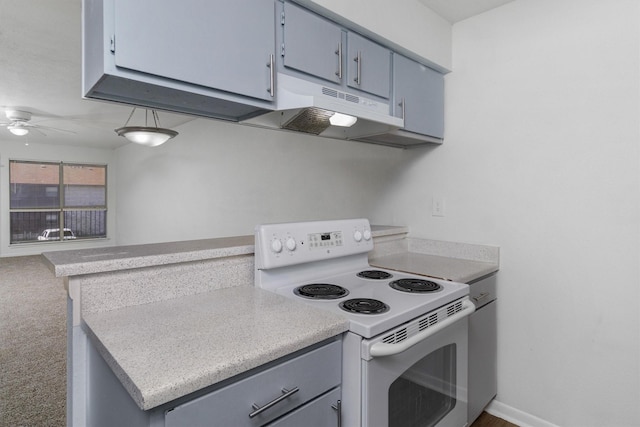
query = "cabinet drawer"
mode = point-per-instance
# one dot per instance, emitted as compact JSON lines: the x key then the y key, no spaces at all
{"x":313,"y":373}
{"x":483,"y":291}
{"x":321,"y":411}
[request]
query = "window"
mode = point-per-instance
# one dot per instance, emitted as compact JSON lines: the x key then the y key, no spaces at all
{"x":49,"y":197}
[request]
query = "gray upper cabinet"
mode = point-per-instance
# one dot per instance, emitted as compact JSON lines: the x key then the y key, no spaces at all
{"x":369,"y":66}
{"x":321,"y":48}
{"x":201,"y":57}
{"x":419,"y":96}
{"x":312,"y":44}
{"x":220,"y":45}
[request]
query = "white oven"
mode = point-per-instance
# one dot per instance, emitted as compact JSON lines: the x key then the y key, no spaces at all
{"x":405,"y":354}
{"x":422,"y":385}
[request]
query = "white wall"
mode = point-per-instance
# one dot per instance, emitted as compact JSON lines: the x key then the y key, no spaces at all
{"x":221,"y":179}
{"x":542,"y":159}
{"x":14,"y":148}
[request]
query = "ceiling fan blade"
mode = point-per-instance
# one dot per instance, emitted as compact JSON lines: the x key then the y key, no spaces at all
{"x":35,"y":129}
{"x":37,"y":126}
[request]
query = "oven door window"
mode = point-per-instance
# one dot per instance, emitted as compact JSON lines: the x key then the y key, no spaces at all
{"x":426,"y":392}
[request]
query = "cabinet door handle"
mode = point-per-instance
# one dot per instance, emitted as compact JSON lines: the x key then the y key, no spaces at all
{"x":285,"y":394}
{"x":402,"y":104}
{"x":339,"y":53}
{"x":272,"y":78}
{"x":480,"y":297}
{"x":358,"y":60}
{"x":338,"y":408}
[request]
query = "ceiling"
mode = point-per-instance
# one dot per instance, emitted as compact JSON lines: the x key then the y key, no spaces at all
{"x":457,"y":10}
{"x":40,"y":69}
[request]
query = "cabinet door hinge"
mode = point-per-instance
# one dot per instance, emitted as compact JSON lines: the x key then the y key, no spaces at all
{"x":282,"y":18}
{"x":112,"y":44}
{"x":282,"y":49}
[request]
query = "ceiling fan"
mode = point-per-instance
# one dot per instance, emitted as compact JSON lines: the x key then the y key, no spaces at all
{"x":19,"y":124}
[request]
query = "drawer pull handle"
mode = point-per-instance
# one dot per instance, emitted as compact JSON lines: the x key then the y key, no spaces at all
{"x":285,"y":394}
{"x":272,"y":83}
{"x":339,"y":53}
{"x":481,"y":296}
{"x":338,"y":408}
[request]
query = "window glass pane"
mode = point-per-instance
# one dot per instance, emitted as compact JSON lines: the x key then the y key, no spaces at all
{"x":34,"y":226}
{"x":425,"y":392}
{"x":85,"y":185}
{"x":34,"y":185}
{"x":86,"y":224}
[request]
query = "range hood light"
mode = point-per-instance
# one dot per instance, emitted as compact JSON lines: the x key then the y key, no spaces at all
{"x":344,"y":120}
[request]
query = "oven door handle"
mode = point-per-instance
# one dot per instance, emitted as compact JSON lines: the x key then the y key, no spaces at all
{"x":381,"y":349}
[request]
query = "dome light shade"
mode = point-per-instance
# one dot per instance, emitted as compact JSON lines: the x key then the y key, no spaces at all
{"x":18,"y":129}
{"x":149,"y":136}
{"x":146,"y":135}
{"x":344,"y":120}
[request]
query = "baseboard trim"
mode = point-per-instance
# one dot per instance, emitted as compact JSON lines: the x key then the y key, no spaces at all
{"x":516,"y":416}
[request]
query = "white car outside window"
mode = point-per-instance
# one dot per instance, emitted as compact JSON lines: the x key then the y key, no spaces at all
{"x":54,"y":234}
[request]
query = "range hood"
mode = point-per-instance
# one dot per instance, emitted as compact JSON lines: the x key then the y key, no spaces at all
{"x":305,"y":106}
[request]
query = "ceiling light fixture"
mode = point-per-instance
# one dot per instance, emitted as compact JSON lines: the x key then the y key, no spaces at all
{"x":344,"y":120}
{"x":18,"y":129}
{"x":146,"y":135}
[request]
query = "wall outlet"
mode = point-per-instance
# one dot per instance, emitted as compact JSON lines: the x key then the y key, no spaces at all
{"x":437,"y":206}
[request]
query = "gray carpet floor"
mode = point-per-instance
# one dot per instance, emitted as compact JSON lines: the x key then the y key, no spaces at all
{"x":32,"y":344}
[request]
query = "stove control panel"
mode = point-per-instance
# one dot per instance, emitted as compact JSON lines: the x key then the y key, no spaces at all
{"x":280,"y":245}
{"x":325,"y":240}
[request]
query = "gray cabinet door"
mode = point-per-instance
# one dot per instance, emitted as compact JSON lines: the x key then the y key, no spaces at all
{"x":483,"y":348}
{"x":419,"y":92}
{"x":312,"y":374}
{"x":312,"y":44}
{"x":221,"y":45}
{"x":368,"y":65}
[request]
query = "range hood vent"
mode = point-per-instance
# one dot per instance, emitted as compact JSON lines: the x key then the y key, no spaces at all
{"x":304,"y":106}
{"x":310,"y":120}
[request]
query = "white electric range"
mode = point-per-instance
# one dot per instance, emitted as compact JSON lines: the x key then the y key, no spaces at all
{"x":405,"y":355}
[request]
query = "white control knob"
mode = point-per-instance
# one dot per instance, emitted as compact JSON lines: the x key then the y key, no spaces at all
{"x":291,"y":243}
{"x":367,"y":235}
{"x":276,"y":246}
{"x":357,"y":236}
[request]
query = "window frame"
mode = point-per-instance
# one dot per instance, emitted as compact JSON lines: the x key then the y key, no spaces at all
{"x":62,"y":208}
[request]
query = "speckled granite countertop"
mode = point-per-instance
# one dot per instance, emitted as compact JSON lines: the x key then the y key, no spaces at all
{"x":459,"y":262}
{"x":165,"y":350}
{"x":99,"y":260}
{"x":454,"y":269}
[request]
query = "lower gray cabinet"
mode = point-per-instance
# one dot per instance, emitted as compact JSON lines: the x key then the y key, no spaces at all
{"x":482,"y":359}
{"x":269,"y":394}
{"x":322,"y":412}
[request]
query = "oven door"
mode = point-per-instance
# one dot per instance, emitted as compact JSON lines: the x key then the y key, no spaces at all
{"x":422,"y":385}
